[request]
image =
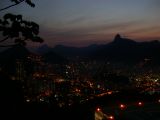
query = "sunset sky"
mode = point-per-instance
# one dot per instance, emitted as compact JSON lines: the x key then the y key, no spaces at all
{"x":84,"y":22}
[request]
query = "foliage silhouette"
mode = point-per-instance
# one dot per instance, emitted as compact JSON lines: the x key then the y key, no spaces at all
{"x":15,"y":28}
{"x":15,"y":31}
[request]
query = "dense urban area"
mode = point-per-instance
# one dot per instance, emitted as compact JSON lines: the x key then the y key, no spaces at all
{"x":66,"y":81}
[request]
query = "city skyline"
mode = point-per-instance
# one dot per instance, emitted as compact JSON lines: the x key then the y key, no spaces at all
{"x":83,"y":22}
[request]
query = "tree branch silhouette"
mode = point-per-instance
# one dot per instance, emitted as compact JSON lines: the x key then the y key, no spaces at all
{"x":4,"y":39}
{"x":11,"y":5}
{"x":16,"y":2}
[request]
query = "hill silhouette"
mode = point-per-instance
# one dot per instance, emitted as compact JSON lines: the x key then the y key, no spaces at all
{"x":121,"y":50}
{"x":53,"y":58}
{"x":9,"y":57}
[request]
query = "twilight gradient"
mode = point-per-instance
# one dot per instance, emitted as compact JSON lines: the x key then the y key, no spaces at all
{"x":84,"y":22}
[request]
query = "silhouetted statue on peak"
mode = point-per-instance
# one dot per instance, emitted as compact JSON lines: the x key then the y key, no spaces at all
{"x":117,"y":37}
{"x":119,"y":40}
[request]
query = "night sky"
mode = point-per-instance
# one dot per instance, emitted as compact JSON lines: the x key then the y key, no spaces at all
{"x":84,"y":22}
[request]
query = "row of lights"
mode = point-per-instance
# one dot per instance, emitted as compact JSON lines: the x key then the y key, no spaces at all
{"x":122,"y":107}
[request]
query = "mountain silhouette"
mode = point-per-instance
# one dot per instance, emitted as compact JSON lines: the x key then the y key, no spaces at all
{"x":17,"y":52}
{"x":9,"y":57}
{"x":118,"y":40}
{"x":53,"y":58}
{"x":73,"y":51}
{"x":121,"y":50}
{"x":43,"y":49}
{"x":128,"y":51}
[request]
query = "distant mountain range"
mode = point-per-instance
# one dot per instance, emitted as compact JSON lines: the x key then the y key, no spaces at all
{"x":9,"y":57}
{"x":122,"y":50}
{"x":119,"y":50}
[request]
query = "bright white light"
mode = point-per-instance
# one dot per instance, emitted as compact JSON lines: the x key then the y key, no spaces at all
{"x":41,"y":99}
{"x":28,"y":100}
